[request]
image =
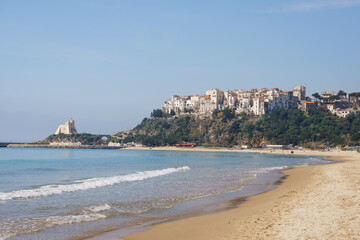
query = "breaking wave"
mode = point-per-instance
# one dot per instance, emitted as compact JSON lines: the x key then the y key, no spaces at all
{"x":99,"y":208}
{"x":273,"y":168}
{"x":267,"y":170}
{"x":13,"y":227}
{"x":87,"y":184}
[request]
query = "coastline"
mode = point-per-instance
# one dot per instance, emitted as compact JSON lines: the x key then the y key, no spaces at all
{"x":315,"y":202}
{"x":257,"y":151}
{"x":31,"y":145}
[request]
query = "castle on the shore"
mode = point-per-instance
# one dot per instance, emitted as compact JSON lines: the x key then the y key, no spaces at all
{"x":67,"y":128}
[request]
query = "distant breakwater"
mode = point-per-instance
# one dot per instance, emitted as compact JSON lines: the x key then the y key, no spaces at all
{"x":61,"y":146}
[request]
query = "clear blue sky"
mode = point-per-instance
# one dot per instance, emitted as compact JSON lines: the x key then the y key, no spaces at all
{"x":108,"y":63}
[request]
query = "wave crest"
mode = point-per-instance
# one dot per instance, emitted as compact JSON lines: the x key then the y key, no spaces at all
{"x":13,"y":227}
{"x":87,"y":184}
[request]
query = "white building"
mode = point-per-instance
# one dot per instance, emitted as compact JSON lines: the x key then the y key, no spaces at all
{"x":230,"y":100}
{"x":67,"y":128}
{"x":327,"y":94}
{"x":258,"y":106}
{"x":251,"y":102}
{"x":217,"y":98}
{"x":344,"y":112}
{"x":277,"y":101}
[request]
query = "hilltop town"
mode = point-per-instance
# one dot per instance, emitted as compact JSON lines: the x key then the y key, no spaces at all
{"x":259,"y":102}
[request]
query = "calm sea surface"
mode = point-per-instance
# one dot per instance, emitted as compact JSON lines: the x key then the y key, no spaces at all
{"x":59,"y":194}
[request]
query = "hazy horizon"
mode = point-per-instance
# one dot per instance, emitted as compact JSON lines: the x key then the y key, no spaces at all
{"x":108,"y":64}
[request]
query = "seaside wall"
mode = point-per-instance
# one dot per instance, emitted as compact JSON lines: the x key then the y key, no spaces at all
{"x":5,"y":144}
{"x":61,"y":146}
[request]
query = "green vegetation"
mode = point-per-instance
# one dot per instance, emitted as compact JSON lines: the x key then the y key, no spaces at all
{"x":334,"y":97}
{"x":224,"y":115}
{"x":84,"y":138}
{"x":356,"y":94}
{"x":226,"y":129}
{"x":317,"y":96}
{"x":296,"y":127}
{"x":158,"y":113}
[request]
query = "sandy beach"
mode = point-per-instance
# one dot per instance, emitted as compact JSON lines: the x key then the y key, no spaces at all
{"x":314,"y":202}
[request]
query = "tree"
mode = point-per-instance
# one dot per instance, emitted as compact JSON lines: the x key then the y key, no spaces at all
{"x":333,"y":98}
{"x":356,"y":137}
{"x":156,"y":113}
{"x":341,"y":93}
{"x":356,"y":94}
{"x":226,"y":114}
{"x":316,"y":96}
{"x":172,"y":112}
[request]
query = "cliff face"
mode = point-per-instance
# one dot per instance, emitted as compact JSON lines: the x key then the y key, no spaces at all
{"x":226,"y":129}
{"x":170,"y":131}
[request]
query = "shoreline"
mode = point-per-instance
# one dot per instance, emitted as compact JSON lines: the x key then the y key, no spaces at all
{"x":223,"y":224}
{"x":302,"y":207}
{"x":257,"y":151}
{"x":47,"y":146}
{"x":208,"y":222}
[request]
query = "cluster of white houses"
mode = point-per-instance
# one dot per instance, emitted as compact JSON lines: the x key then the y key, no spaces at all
{"x":254,"y":102}
{"x":340,"y":112}
{"x":342,"y":106}
{"x":258,"y":102}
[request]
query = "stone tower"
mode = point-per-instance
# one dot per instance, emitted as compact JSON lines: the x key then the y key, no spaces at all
{"x":299,"y":92}
{"x":67,"y":128}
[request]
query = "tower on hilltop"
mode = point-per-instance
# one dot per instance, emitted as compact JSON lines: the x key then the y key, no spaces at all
{"x":67,"y":128}
{"x":300,"y":92}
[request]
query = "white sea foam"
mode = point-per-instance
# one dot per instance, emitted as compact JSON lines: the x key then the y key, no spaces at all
{"x":273,"y":168}
{"x":62,"y":220}
{"x":99,"y":208}
{"x":87,"y":184}
{"x":13,"y":227}
{"x":267,"y":170}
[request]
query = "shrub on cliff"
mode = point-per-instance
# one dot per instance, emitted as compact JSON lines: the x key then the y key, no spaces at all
{"x":83,"y":138}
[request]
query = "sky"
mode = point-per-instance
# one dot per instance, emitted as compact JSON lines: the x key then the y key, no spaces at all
{"x":107,"y":64}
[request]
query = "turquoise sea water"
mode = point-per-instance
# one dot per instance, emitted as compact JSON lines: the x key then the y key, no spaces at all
{"x":60,"y":193}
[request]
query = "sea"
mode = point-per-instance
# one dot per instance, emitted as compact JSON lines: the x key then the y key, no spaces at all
{"x":69,"y":193}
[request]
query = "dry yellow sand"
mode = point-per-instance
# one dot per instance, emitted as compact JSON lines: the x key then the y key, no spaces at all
{"x":314,"y":202}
